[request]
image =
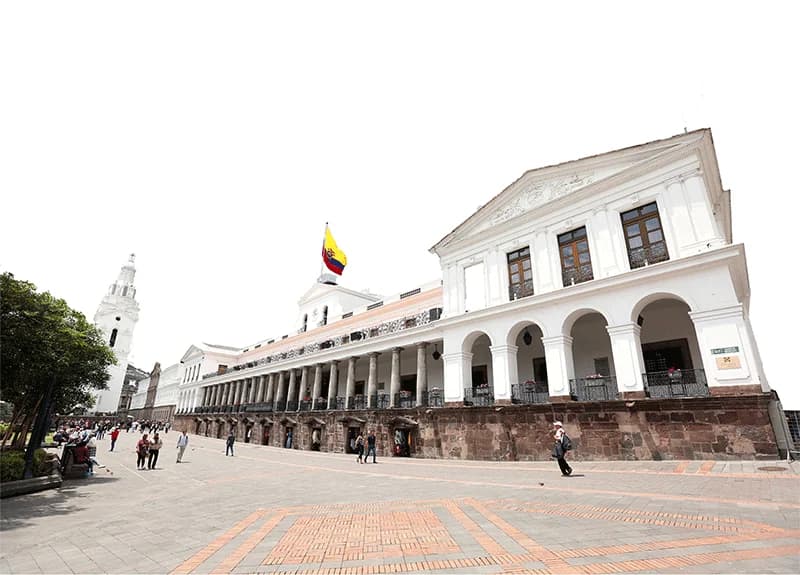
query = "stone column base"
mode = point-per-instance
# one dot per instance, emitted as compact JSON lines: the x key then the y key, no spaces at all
{"x":734,"y":390}
{"x":560,"y":398}
{"x":502,"y":402}
{"x":454,"y":403}
{"x":633,"y":395}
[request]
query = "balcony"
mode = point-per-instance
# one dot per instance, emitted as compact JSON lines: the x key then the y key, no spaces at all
{"x":479,"y":396}
{"x":404,"y":399}
{"x":320,"y":404}
{"x":677,"y":383}
{"x":264,"y":406}
{"x":291,"y":406}
{"x":382,"y":401}
{"x":572,"y":276}
{"x":358,"y":402}
{"x":594,"y":388}
{"x":520,"y":290}
{"x":305,"y":405}
{"x":530,"y":392}
{"x":646,"y":255}
{"x":435,"y":397}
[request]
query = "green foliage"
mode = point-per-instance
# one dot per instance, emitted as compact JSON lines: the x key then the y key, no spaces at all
{"x":12,"y":465}
{"x":42,"y":338}
{"x":3,"y":428}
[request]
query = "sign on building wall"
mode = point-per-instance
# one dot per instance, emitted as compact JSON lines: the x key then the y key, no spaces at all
{"x":729,"y":362}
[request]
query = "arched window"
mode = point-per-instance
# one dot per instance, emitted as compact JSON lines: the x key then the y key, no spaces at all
{"x":325,"y":315}
{"x":305,"y":322}
{"x":113,"y":339}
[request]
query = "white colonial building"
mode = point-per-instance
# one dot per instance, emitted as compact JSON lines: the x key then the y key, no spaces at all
{"x":606,"y":279}
{"x":116,"y":317}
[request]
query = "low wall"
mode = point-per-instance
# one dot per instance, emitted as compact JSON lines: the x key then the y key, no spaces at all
{"x":654,"y":429}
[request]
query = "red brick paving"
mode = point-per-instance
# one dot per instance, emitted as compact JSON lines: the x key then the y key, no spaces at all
{"x":391,"y":533}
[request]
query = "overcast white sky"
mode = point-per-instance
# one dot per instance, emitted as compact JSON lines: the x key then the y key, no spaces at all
{"x":215,"y":141}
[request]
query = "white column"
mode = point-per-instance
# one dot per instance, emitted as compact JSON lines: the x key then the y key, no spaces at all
{"x":727,"y":349}
{"x":303,"y":385}
{"x":280,"y":392}
{"x":350,"y":388}
{"x":457,"y":375}
{"x":394,"y":385}
{"x":560,"y":366}
{"x":333,"y":384}
{"x":317,"y":389}
{"x":256,"y":396}
{"x":372,"y":381}
{"x":292,"y":393}
{"x":504,"y":370}
{"x":270,"y":391}
{"x":626,"y":348}
{"x":422,"y":373}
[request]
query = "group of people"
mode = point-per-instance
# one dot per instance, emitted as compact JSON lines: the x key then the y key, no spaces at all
{"x":148,"y":448}
{"x":359,"y":447}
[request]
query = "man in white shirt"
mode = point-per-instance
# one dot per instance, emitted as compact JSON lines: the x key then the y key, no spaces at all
{"x":183,"y":441}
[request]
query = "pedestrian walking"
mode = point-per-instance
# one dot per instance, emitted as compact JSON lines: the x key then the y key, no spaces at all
{"x":142,"y":448}
{"x":155,"y":447}
{"x":562,"y":445}
{"x":114,"y":435}
{"x":360,"y":447}
{"x":183,"y":441}
{"x":370,"y":446}
{"x":229,"y":444}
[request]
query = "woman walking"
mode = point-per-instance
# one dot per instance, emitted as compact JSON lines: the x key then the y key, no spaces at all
{"x":360,"y":447}
{"x":142,"y":447}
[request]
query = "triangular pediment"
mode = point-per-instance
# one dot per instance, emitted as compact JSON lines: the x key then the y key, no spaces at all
{"x":192,"y":351}
{"x":542,"y":186}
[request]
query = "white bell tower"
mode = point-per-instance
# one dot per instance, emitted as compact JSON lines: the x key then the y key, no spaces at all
{"x":116,"y":317}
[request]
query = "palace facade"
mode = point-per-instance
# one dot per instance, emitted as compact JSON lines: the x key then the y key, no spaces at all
{"x":606,"y":292}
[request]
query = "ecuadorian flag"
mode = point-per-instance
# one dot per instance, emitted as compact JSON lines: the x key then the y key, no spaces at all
{"x":333,"y":257}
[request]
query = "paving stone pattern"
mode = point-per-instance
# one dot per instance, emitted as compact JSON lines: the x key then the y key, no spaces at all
{"x":271,"y":510}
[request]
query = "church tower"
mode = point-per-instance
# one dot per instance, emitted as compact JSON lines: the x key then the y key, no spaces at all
{"x":116,"y":317}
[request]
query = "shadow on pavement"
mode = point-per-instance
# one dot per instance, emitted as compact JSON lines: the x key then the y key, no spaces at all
{"x":20,"y":511}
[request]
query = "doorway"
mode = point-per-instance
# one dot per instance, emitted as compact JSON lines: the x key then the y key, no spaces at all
{"x":350,"y":444}
{"x":663,"y":355}
{"x":288,"y":437}
{"x":402,"y":442}
{"x":265,"y":427}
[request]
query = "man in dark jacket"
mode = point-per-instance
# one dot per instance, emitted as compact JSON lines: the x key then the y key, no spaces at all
{"x":229,"y":444}
{"x":370,"y":446}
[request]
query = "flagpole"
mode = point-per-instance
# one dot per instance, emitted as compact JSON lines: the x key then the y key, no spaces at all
{"x":321,"y":269}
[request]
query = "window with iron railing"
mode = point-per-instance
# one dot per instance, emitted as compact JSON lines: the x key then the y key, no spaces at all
{"x":520,"y":274}
{"x":576,"y":262}
{"x":644,"y":236}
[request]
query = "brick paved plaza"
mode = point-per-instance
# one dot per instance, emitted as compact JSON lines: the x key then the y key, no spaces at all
{"x":270,"y":510}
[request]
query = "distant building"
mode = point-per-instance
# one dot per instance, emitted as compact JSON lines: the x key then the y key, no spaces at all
{"x":132,"y":376}
{"x":116,"y":317}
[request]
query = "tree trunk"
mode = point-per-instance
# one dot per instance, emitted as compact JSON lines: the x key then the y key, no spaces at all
{"x":10,"y":431}
{"x":21,"y":439}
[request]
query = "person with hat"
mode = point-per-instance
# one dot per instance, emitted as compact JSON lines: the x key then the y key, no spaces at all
{"x":560,"y":450}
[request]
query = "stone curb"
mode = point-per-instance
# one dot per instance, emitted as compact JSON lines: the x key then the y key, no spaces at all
{"x":25,"y":486}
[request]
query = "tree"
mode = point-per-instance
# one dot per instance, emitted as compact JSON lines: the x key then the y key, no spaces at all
{"x":43,"y":340}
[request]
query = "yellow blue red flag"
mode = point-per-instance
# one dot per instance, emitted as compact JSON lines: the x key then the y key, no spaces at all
{"x":333,"y":257}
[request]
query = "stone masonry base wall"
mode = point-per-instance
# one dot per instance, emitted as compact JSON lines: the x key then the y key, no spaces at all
{"x":648,"y":429}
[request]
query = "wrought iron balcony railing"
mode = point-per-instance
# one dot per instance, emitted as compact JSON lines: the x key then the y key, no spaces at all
{"x":577,"y":275}
{"x":404,"y":400}
{"x":479,"y":396}
{"x":320,"y":404}
{"x":677,"y":383}
{"x":520,"y":290}
{"x":382,"y":401}
{"x":359,"y":402}
{"x":435,"y":397}
{"x":262,"y":406}
{"x":594,"y":388}
{"x":305,"y":405}
{"x":291,"y":405}
{"x":341,"y":403}
{"x":652,"y":254}
{"x":530,"y":392}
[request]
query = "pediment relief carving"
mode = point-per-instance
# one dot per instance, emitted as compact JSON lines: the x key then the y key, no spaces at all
{"x":537,"y":193}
